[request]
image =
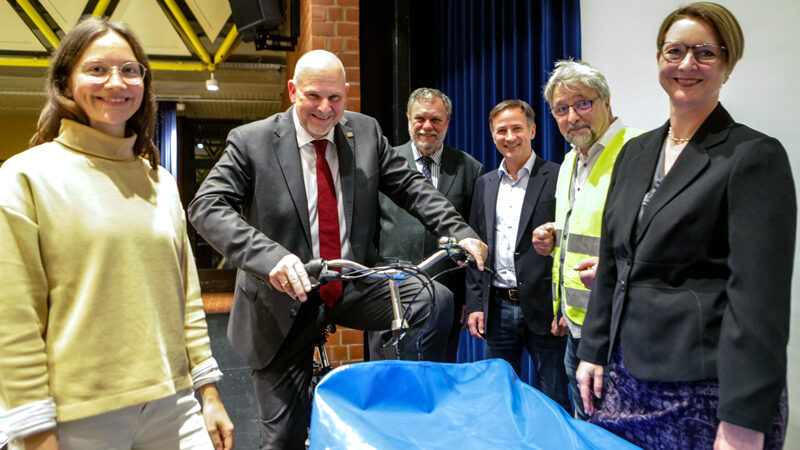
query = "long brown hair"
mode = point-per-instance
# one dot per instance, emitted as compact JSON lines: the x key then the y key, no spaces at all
{"x":59,"y":106}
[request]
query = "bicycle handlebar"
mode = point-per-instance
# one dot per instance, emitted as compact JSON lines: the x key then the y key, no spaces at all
{"x":319,"y":269}
{"x":321,"y":272}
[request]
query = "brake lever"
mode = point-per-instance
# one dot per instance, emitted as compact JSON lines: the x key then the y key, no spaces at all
{"x":319,"y":274}
{"x":454,"y":251}
{"x":458,"y":255}
{"x":317,"y":270}
{"x":325,"y":276}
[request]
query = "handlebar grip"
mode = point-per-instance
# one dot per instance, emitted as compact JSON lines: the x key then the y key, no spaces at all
{"x":314,"y":267}
{"x":459,"y":255}
{"x":454,"y":251}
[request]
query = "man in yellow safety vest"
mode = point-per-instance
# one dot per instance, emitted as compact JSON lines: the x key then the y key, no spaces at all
{"x":580,"y":102}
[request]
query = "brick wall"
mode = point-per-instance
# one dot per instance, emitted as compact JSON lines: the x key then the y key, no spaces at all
{"x":346,"y":346}
{"x":330,"y":25}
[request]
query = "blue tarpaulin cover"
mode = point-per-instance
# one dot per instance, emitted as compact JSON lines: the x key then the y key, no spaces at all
{"x":422,"y":405}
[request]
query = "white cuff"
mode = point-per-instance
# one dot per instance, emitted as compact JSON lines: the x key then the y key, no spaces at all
{"x":206,"y":372}
{"x":30,"y":418}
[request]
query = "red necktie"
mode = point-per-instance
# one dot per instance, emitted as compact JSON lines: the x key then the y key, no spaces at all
{"x":328,"y":222}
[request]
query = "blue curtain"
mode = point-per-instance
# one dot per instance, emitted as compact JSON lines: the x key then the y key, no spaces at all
{"x":493,"y":50}
{"x":490,"y":51}
{"x":166,"y":138}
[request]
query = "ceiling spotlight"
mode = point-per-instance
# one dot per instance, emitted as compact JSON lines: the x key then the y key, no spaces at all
{"x":212,"y":84}
{"x":180,"y":106}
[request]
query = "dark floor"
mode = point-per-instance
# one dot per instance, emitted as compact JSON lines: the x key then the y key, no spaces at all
{"x":235,"y":388}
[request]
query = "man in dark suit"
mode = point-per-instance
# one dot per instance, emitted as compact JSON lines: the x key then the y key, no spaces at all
{"x":304,"y":184}
{"x":510,"y":306}
{"x":453,"y":173}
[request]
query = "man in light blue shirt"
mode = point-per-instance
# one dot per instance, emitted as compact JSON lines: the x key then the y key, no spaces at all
{"x":510,"y":305}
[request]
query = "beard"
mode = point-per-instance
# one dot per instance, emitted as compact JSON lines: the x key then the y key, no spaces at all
{"x":584,"y":139}
{"x":426,"y":146}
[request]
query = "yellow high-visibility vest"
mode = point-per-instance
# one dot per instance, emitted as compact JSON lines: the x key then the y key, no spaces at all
{"x":585,"y":218}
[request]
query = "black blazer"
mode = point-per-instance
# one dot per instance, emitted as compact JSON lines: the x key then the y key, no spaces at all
{"x":700,"y":288}
{"x":534,"y":272}
{"x":403,"y":236}
{"x":252,"y":208}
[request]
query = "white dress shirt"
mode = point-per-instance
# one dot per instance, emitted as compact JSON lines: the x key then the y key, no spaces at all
{"x":584,"y":164}
{"x":308,"y":159}
{"x":510,"y":196}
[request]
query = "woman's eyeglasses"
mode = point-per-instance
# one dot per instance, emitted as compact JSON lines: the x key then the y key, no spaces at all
{"x":705,"y":54}
{"x":99,"y":72}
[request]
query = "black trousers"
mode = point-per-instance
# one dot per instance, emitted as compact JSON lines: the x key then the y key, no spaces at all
{"x":377,"y":339}
{"x":282,"y":386}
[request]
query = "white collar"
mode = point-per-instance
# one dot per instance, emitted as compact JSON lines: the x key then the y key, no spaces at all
{"x":303,"y":137}
{"x":436,"y":156}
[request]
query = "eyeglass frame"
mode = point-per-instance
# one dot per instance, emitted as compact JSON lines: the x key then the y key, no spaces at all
{"x":693,"y":48}
{"x":96,"y":79}
{"x":577,"y":110}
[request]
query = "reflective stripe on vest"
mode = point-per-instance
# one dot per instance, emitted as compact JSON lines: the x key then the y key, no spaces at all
{"x":585,"y":220}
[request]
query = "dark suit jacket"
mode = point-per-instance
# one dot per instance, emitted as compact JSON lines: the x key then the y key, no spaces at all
{"x":534,"y":272}
{"x":252,"y":208}
{"x":403,"y":236}
{"x":699,"y":289}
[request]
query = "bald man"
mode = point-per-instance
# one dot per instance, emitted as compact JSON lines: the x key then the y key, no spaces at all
{"x":304,"y":184}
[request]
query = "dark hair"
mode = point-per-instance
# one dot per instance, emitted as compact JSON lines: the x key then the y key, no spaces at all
{"x":719,"y":18}
{"x":63,"y":62}
{"x":508,"y":104}
{"x":424,"y":94}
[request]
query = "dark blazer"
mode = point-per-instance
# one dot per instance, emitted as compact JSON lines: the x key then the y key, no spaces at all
{"x":534,"y":272}
{"x":699,"y":289}
{"x":252,"y":208}
{"x":403,"y":236}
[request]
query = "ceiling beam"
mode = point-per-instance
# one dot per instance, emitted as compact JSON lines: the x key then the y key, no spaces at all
{"x":194,"y":41}
{"x":100,"y":8}
{"x":228,"y":46}
{"x":39,"y":22}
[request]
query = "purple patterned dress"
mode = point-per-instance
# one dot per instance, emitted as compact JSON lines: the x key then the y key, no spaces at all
{"x":668,"y":415}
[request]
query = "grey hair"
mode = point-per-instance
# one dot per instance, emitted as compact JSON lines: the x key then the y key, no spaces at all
{"x":424,"y":94}
{"x":571,"y":73}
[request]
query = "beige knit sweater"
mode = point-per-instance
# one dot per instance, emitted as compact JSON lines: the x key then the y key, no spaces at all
{"x":100,"y":304}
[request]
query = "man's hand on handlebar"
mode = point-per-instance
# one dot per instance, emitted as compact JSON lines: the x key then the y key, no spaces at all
{"x":290,"y":276}
{"x":477,"y":249}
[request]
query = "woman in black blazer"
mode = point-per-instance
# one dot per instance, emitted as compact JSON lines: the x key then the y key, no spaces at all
{"x":693,"y":283}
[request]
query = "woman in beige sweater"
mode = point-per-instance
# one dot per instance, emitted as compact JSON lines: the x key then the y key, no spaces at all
{"x":102,"y":333}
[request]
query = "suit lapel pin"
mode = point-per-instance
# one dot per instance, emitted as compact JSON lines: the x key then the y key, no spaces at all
{"x":349,"y":134}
